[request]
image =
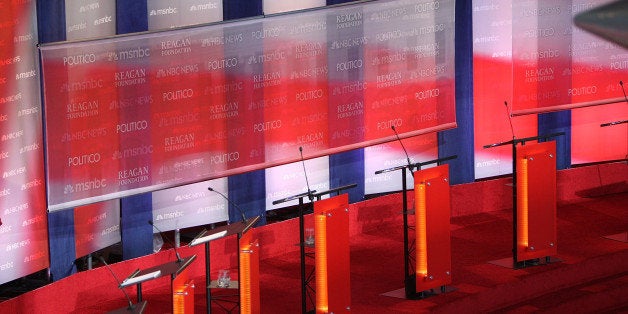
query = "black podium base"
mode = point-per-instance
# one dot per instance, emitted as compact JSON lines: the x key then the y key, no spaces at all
{"x":508,"y":262}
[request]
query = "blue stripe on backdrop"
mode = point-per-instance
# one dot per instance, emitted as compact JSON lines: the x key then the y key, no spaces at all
{"x":137,"y":210}
{"x":237,"y":9}
{"x":247,"y":190}
{"x":348,"y":167}
{"x":459,"y":141}
{"x":51,"y":28}
{"x":131,"y":16}
{"x":555,"y":122}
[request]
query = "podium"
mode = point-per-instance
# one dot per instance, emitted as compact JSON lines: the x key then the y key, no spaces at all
{"x":331,"y":258}
{"x":427,"y":259}
{"x":248,"y":265}
{"x":176,"y":270}
{"x":623,"y":236}
{"x":534,"y":201}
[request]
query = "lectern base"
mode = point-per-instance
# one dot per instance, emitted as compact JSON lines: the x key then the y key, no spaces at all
{"x":401,"y":293}
{"x":508,"y":262}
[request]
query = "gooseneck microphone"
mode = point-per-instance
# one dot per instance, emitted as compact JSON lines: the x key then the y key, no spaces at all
{"x":230,"y":202}
{"x":623,"y":90}
{"x":404,"y":149}
{"x":307,"y":183}
{"x":509,"y":114}
{"x":102,"y":260}
{"x":150,"y":222}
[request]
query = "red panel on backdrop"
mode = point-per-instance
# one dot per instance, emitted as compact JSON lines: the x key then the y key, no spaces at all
{"x":332,"y":229}
{"x":536,"y":201}
{"x":432,"y":213}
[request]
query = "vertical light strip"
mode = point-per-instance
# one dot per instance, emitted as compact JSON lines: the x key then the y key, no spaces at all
{"x":421,"y":231}
{"x":522,"y":203}
{"x":245,"y":277}
{"x":320,"y":235}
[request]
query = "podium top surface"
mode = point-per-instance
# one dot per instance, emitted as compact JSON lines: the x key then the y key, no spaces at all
{"x":223,"y":231}
{"x":417,"y":165}
{"x":169,"y":268}
{"x":524,"y":139}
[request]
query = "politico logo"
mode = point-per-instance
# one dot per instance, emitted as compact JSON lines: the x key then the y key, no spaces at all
{"x":79,"y":59}
{"x":310,"y":95}
{"x":85,"y":159}
{"x":386,"y":125}
{"x":267,"y":126}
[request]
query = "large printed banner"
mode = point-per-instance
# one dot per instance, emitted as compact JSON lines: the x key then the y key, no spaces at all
{"x":23,"y":232}
{"x":531,"y":56}
{"x":141,"y":113}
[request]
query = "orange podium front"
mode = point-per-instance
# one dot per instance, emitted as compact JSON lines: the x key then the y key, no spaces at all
{"x":535,"y":201}
{"x":331,"y":229}
{"x":432,"y":211}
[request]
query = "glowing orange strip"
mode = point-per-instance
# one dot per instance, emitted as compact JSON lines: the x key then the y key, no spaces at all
{"x":245,"y":278}
{"x":522,"y":203}
{"x":421,"y":231}
{"x":320,"y":235}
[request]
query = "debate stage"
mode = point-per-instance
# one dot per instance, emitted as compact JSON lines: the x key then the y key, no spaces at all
{"x":591,"y":277}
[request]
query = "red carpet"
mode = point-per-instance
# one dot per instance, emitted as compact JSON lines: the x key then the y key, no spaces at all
{"x":591,"y":278}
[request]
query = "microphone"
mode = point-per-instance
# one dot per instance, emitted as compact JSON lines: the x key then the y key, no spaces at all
{"x":230,"y":202}
{"x":131,"y":306}
{"x":404,"y":149}
{"x":150,"y":222}
{"x":623,"y":90}
{"x":512,"y":130}
{"x":309,"y":192}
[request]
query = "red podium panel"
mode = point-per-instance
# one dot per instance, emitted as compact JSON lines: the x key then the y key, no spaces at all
{"x":536,"y":201}
{"x":249,"y":274}
{"x":433,"y":240}
{"x":331,"y":232}
{"x":183,"y":294}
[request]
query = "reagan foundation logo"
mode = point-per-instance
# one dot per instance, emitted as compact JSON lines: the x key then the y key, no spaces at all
{"x":82,"y":109}
{"x":130,"y":77}
{"x":308,"y":50}
{"x":176,"y":47}
{"x":133,"y":175}
{"x":348,"y":20}
{"x":179,"y":142}
{"x":223,"y":111}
